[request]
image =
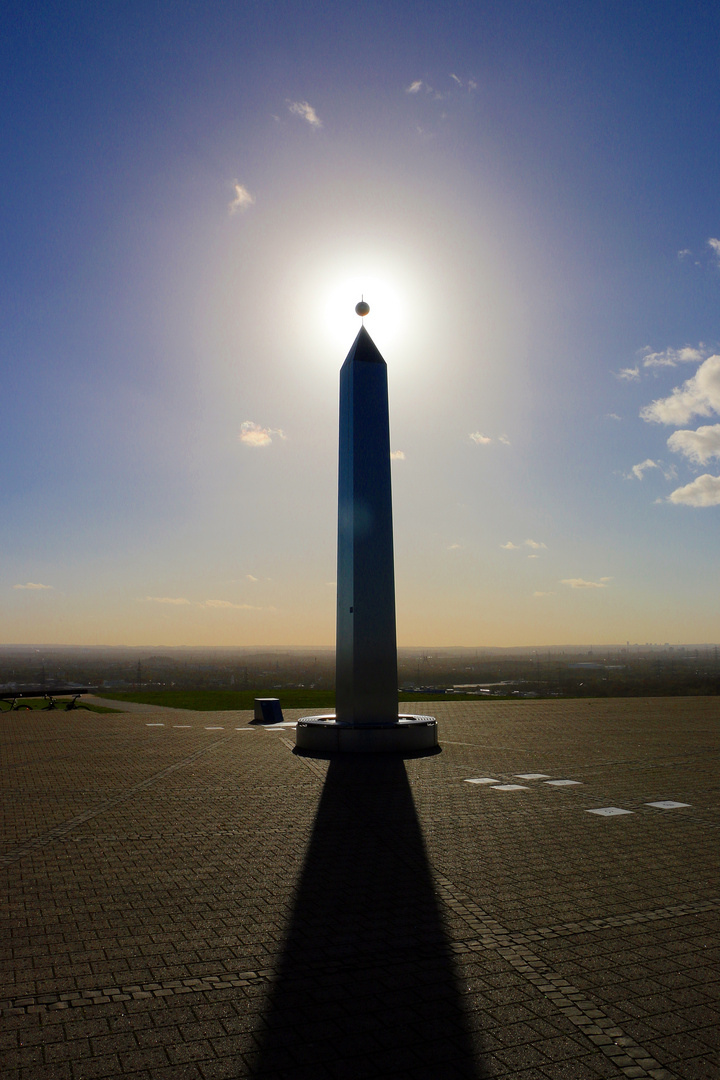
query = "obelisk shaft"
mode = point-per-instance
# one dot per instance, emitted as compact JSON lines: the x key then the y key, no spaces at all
{"x":366,"y":646}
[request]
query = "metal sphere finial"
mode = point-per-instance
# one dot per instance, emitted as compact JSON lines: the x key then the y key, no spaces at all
{"x":362,"y":308}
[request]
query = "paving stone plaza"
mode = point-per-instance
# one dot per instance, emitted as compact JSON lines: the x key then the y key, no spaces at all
{"x":188,"y":898}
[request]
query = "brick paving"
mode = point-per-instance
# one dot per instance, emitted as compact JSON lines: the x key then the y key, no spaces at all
{"x":188,"y":898}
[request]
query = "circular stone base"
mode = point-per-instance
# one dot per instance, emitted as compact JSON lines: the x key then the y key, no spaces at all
{"x":325,"y":735}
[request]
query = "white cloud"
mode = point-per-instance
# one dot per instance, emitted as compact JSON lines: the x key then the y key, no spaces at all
{"x":698,"y":396}
{"x":480,"y":439}
{"x":639,"y":470}
{"x":33,"y":585}
{"x":629,"y":374}
{"x":397,"y":455}
{"x":229,"y":604}
{"x":453,"y":547}
{"x":510,"y":546}
{"x":535,"y":544}
{"x":613,"y":416}
{"x":580,"y":583}
{"x":705,"y":491}
{"x":714,"y":245}
{"x":672,"y":357}
{"x":538,"y":594}
{"x":414,"y":87}
{"x":684,"y":253}
{"x":305,"y":110}
{"x":166,"y":600}
{"x":700,"y":445}
{"x":504,"y":440}
{"x":254,"y":435}
{"x":251,"y":577}
{"x":458,"y":81}
{"x":243,"y":199}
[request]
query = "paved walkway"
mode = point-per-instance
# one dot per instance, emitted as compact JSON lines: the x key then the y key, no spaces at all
{"x":189,"y":899}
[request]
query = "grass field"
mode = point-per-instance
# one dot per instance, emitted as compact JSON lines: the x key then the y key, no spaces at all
{"x":60,"y":705}
{"x":218,"y":700}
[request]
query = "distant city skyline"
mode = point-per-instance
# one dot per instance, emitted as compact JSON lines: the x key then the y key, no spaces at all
{"x":195,"y":197}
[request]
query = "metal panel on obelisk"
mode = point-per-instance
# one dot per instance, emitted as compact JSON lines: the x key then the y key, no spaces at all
{"x":366,"y":684}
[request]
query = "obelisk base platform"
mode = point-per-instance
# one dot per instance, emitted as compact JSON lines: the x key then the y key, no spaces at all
{"x":326,"y":735}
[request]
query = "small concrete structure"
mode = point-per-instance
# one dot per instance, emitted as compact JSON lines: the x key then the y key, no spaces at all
{"x":267,"y":711}
{"x":366,"y":679}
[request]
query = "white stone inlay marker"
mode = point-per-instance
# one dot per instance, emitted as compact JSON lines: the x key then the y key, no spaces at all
{"x":154,"y":725}
{"x":609,"y":811}
{"x":531,"y":775}
{"x":214,"y":728}
{"x":182,"y":725}
{"x":244,"y":729}
{"x":668,"y":804}
{"x":564,"y":783}
{"x":510,"y":787}
{"x":482,"y":780}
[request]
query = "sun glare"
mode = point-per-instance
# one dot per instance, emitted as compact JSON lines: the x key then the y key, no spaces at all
{"x":385,"y":321}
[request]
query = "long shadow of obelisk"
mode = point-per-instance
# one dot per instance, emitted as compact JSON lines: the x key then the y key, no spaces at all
{"x":366,"y":982}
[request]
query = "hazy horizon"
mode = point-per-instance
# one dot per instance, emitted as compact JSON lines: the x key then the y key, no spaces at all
{"x":196,"y":195}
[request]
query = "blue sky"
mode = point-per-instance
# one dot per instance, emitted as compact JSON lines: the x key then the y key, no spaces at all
{"x":193,"y":194}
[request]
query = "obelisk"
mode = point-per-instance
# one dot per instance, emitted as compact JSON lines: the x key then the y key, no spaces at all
{"x":366,"y":683}
{"x":366,"y":687}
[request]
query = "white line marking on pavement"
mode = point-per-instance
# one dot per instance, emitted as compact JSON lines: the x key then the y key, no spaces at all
{"x":531,"y":775}
{"x":562,"y":783}
{"x":668,"y":804}
{"x":482,"y":780}
{"x":609,"y":811}
{"x":510,"y":787}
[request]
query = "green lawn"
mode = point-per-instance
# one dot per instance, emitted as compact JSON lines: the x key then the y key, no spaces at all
{"x":217,"y":700}
{"x":60,"y":705}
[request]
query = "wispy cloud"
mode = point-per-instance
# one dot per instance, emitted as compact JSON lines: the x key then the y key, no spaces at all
{"x":33,"y":585}
{"x":415,"y":87}
{"x":539,"y":594}
{"x":242,"y":200}
{"x":629,"y":374}
{"x":254,"y":435}
{"x":251,"y":577}
{"x":484,"y":440}
{"x":397,"y":455}
{"x":698,"y":396}
{"x":305,"y":110}
{"x":612,"y":416}
{"x":699,"y":446}
{"x":689,"y":354}
{"x":581,"y":583}
{"x":535,"y":545}
{"x":177,"y":600}
{"x":638,"y":471}
{"x":714,"y":246}
{"x":704,"y":491}
{"x":453,"y":547}
{"x":229,"y":604}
